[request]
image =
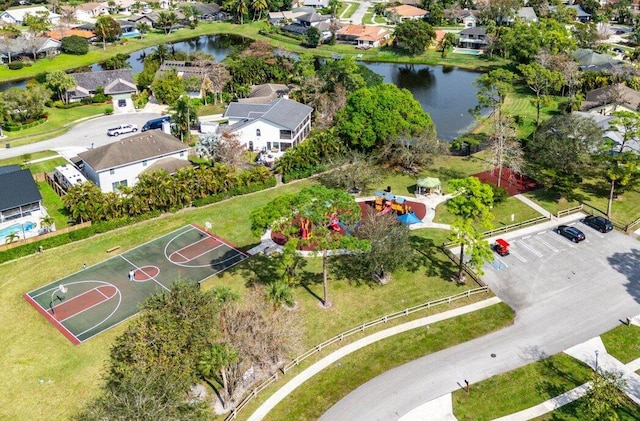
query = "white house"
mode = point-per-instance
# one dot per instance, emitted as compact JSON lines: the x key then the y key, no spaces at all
{"x":17,"y":15}
{"x":87,"y":12}
{"x":275,"y":126}
{"x":120,"y":164}
{"x":316,"y":4}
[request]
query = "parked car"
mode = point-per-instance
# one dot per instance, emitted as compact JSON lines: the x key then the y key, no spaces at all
{"x":122,"y":129}
{"x":572,"y":233}
{"x":599,"y":223}
{"x":155,"y":123}
{"x":122,"y":103}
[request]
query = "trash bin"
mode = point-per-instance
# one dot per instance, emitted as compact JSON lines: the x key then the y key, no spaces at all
{"x":7,"y":145}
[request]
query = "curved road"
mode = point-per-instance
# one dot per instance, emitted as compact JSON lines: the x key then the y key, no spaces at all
{"x":561,"y":301}
{"x":90,"y":133}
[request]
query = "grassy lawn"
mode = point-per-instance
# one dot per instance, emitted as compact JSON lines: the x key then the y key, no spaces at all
{"x":367,"y":19}
{"x":520,"y":389}
{"x":19,"y":160}
{"x":55,"y":125}
{"x":53,"y":203}
{"x":211,"y":109}
{"x":347,"y":9}
{"x":576,"y":410}
{"x":623,"y":343}
{"x":69,"y":371}
{"x":323,"y":390}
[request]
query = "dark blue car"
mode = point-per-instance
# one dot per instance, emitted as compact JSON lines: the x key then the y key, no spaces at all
{"x":572,"y":233}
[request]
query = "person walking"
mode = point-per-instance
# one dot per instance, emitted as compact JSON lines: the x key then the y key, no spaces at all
{"x":132,"y":273}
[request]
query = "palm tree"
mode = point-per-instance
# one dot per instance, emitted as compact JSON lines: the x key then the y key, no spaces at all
{"x":143,"y":28}
{"x":259,"y":6}
{"x":213,"y":365}
{"x":166,"y":20}
{"x":279,"y":293}
{"x":160,"y":54}
{"x":185,"y":116}
{"x":46,"y":222}
{"x":11,"y":238}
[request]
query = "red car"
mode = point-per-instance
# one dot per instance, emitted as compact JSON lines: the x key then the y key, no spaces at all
{"x":501,"y":247}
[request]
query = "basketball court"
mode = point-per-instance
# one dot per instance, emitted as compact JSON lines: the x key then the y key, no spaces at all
{"x":99,"y":297}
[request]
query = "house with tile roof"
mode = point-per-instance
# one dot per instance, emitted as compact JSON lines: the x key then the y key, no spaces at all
{"x":474,"y":38}
{"x":405,"y":12}
{"x":267,"y":92}
{"x":20,"y":203}
{"x":29,"y":46}
{"x":612,"y":98}
{"x":363,"y":36}
{"x":117,"y":83}
{"x":275,"y":126}
{"x":63,"y":32}
{"x":589,"y":60}
{"x":120,"y":163}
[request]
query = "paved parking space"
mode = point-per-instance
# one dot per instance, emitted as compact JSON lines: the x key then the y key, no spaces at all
{"x":543,"y":264}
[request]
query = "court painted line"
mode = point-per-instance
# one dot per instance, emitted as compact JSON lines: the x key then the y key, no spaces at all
{"x":102,"y":293}
{"x":202,"y":254}
{"x":528,"y":247}
{"x":546,"y":243}
{"x":90,"y":307}
{"x":223,"y":242}
{"x":199,"y":241}
{"x":119,"y":294}
{"x":138,"y":268}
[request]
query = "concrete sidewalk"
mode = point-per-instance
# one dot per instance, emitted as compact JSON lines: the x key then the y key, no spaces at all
{"x":305,"y":375}
{"x":533,"y":205}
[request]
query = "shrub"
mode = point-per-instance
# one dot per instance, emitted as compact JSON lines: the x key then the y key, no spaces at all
{"x":15,"y":65}
{"x":108,"y":110}
{"x":74,"y":45}
{"x":99,"y":98}
{"x":500,"y":194}
{"x":86,"y":100}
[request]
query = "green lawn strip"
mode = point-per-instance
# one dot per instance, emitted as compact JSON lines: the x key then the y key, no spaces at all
{"x":46,"y":166}
{"x":367,"y":19}
{"x":502,"y":213}
{"x":53,"y":204}
{"x":623,"y":343}
{"x":347,"y":9}
{"x":58,"y":122}
{"x":19,"y":160}
{"x":326,"y":388}
{"x":578,"y":411}
{"x":520,"y":389}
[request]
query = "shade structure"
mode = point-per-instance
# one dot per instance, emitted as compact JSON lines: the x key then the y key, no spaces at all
{"x":408,"y":218}
{"x":428,"y":182}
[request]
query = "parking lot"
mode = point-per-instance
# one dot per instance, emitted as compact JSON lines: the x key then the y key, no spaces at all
{"x":543,"y":265}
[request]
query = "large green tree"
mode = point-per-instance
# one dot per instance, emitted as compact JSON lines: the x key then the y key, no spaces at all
{"x":166,"y":20}
{"x":316,"y":207}
{"x":543,"y":82}
{"x":561,"y":151}
{"x":184,"y":116}
{"x":414,"y":36}
{"x":373,"y":115}
{"x":168,"y":87}
{"x":24,"y":105}
{"x":107,"y":29}
{"x":471,"y":203}
{"x":59,"y":82}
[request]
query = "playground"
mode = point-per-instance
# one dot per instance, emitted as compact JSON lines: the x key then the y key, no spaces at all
{"x":101,"y":296}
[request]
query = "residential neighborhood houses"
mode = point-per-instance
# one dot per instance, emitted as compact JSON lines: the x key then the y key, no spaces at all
{"x":290,"y":169}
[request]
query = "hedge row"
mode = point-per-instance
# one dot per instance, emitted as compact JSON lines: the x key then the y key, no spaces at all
{"x":100,"y":227}
{"x":70,"y":237}
{"x":14,"y":127}
{"x":301,"y":173}
{"x":236,"y":191}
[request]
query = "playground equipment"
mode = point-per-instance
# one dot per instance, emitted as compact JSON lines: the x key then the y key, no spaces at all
{"x":427,"y":186}
{"x":387,"y":202}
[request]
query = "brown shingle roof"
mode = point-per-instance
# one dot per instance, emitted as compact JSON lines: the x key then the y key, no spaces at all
{"x":407,"y":11}
{"x":136,"y":148}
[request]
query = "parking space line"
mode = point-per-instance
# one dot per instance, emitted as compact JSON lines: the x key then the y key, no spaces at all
{"x":517,"y":256}
{"x":593,"y":231}
{"x":528,"y":247}
{"x":545,"y":243}
{"x":498,"y":264}
{"x":564,"y":241}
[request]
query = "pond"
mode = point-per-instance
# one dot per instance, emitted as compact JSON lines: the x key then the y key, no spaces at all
{"x":446,"y":93}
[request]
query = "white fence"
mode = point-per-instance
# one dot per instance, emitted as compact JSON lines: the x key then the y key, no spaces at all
{"x":341,"y":336}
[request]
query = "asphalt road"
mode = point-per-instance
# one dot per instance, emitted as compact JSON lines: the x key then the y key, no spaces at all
{"x":562,"y":298}
{"x":91,"y":133}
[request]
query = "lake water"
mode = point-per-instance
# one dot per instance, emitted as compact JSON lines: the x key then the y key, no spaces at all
{"x":446,"y":93}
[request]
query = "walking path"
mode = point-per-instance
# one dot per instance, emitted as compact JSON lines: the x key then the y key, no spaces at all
{"x":305,"y":375}
{"x":533,"y":205}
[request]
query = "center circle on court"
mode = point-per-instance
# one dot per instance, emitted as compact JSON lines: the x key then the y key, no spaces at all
{"x":146,"y":273}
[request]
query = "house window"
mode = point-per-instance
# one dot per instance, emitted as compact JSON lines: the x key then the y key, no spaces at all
{"x":112,"y":171}
{"x":285,"y":134}
{"x":276,"y":146}
{"x":116,"y":185}
{"x":258,"y":132}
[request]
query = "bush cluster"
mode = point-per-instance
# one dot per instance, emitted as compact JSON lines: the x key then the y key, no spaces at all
{"x":62,"y":105}
{"x":14,"y":127}
{"x":236,"y":191}
{"x":17,"y":65}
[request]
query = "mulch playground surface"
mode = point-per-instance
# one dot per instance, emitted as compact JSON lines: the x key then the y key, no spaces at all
{"x":513,"y":182}
{"x":99,"y":297}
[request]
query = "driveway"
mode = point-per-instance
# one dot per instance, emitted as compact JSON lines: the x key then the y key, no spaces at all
{"x":563,"y":294}
{"x":85,"y":135}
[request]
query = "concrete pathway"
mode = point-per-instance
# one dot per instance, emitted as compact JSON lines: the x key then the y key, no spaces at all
{"x":305,"y":375}
{"x":534,"y":205}
{"x":548,"y":406}
{"x":357,"y":17}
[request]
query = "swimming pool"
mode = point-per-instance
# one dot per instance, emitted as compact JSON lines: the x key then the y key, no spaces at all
{"x":17,"y":228}
{"x":467,"y":51}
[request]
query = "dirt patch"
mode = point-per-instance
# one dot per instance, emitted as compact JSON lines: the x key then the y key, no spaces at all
{"x":513,"y":182}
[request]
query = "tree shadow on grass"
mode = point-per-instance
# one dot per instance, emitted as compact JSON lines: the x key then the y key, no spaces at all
{"x":260,"y":268}
{"x":596,"y":189}
{"x":432,"y":258}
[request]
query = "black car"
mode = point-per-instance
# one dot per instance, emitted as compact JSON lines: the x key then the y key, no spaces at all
{"x":573,"y":234}
{"x":599,"y":223}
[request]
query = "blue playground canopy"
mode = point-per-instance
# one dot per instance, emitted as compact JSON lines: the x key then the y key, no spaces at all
{"x":408,"y":218}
